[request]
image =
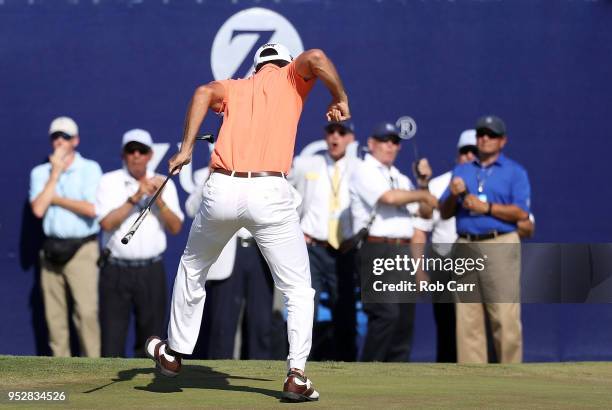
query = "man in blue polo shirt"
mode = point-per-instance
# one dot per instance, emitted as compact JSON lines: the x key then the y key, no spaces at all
{"x":488,"y":197}
{"x":62,"y":193}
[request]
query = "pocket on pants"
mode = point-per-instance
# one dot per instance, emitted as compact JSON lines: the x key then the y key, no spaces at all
{"x":219,"y":198}
{"x":271,"y":201}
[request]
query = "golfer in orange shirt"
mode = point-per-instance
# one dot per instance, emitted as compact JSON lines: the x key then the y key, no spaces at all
{"x":248,"y":188}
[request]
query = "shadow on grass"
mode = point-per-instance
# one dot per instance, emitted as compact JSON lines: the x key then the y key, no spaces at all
{"x":191,"y":377}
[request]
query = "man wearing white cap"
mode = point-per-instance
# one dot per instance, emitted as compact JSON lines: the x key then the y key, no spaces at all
{"x":133,"y":276}
{"x":443,"y":235}
{"x":62,"y":193}
{"x":248,"y":188}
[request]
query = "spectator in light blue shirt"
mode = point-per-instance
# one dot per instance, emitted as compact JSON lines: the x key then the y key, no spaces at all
{"x":62,"y":193}
{"x":488,"y":197}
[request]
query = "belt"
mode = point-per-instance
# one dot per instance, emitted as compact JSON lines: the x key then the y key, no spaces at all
{"x":382,"y":239}
{"x":246,"y":242}
{"x":315,"y":242}
{"x":134,"y":263}
{"x":482,"y":236}
{"x":249,"y":174}
{"x":92,"y":237}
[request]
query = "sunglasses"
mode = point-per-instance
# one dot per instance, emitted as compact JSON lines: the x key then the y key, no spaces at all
{"x":467,"y":149}
{"x":60,"y":134}
{"x":485,"y":131}
{"x":341,"y":131}
{"x":386,"y":138}
{"x":136,"y":147}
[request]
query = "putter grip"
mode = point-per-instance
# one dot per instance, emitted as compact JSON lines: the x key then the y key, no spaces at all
{"x":134,"y":227}
{"x":127,"y":237}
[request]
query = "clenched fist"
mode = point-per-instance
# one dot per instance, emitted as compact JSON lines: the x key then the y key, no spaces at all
{"x":58,"y":160}
{"x":457,"y":186}
{"x":177,"y":161}
{"x":422,"y":171}
{"x":338,"y":111}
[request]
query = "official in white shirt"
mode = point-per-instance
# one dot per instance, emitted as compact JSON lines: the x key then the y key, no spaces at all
{"x":239,"y":285}
{"x":133,"y":277}
{"x":443,"y":236}
{"x":379,"y":190}
{"x":323,"y":182}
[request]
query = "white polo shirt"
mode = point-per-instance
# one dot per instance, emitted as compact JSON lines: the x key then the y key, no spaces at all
{"x":315,"y":175}
{"x":370,"y":180}
{"x":149,"y":240}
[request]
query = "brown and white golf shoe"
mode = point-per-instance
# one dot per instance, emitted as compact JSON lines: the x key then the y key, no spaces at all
{"x":158,"y":350}
{"x":298,"y":388}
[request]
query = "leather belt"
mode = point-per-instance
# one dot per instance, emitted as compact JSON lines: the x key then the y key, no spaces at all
{"x":383,"y":239}
{"x":315,"y":242}
{"x":134,"y":263}
{"x":482,"y":236}
{"x":249,"y":174}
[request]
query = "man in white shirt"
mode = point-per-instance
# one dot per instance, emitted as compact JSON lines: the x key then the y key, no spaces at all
{"x":133,"y":276}
{"x":323,"y":182}
{"x":387,"y":198}
{"x":443,"y":236}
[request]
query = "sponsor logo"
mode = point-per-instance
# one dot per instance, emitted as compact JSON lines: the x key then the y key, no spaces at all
{"x":242,"y":34}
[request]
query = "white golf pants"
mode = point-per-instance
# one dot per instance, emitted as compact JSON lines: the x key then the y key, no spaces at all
{"x":266,"y":207}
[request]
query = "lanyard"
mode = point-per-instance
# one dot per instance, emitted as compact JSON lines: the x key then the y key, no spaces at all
{"x":482,"y":177}
{"x":393,"y":181}
{"x":394,"y":184}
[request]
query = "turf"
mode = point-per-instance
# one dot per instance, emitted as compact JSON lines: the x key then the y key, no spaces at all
{"x":132,"y":383}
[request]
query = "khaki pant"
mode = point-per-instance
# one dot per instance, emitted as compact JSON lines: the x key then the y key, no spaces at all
{"x":79,"y":279}
{"x":498,"y":285}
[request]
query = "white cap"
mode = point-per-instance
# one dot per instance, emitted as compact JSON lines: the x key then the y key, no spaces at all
{"x":280,"y":53}
{"x":468,"y":137}
{"x":137,"y":135}
{"x":65,"y":125}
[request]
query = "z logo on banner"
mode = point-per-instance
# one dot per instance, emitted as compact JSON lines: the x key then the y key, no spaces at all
{"x":242,"y":34}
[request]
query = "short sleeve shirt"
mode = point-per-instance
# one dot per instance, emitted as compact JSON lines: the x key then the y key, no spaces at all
{"x":369,"y":181}
{"x":260,"y":118}
{"x":78,"y":182}
{"x":503,"y":182}
{"x":150,"y":239}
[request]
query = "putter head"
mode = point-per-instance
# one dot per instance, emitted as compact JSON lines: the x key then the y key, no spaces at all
{"x":407,"y":127}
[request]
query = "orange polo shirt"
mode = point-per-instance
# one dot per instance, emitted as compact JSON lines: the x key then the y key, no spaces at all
{"x":260,"y":118}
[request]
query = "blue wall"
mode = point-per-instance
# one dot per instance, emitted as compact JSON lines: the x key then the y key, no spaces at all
{"x":542,"y":65}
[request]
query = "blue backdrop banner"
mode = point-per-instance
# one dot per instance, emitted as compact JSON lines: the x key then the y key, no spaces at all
{"x":115,"y":65}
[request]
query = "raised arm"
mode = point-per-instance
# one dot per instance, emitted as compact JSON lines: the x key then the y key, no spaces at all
{"x":206,"y":96}
{"x":314,"y":63}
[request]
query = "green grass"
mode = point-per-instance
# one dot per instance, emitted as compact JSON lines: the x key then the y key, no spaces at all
{"x":132,"y":383}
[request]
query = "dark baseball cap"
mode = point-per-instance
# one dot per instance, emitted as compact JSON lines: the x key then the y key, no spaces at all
{"x":345,"y":126}
{"x":492,"y":123}
{"x":384,"y":130}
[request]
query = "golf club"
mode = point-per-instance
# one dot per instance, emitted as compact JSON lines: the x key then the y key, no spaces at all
{"x":407,"y":131}
{"x":206,"y":137}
